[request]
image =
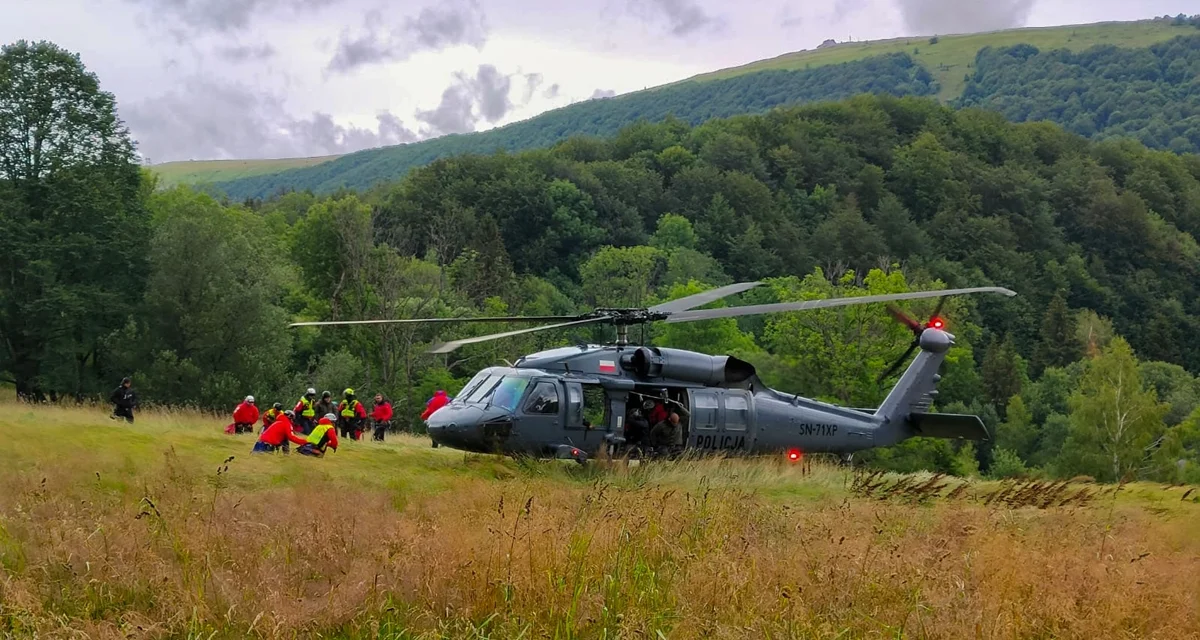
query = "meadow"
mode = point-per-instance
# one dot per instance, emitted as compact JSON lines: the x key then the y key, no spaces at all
{"x":951,"y":58}
{"x":168,"y":528}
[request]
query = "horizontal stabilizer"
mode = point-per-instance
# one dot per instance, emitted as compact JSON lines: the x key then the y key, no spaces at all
{"x":948,"y":425}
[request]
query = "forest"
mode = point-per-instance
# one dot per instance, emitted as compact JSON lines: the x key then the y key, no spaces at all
{"x":1088,"y":371}
{"x":1151,"y":95}
{"x":1148,"y":94}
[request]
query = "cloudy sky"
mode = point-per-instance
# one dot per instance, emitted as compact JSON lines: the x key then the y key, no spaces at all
{"x":210,"y":79}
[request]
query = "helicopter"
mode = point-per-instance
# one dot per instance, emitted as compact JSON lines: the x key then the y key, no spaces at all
{"x":578,"y":402}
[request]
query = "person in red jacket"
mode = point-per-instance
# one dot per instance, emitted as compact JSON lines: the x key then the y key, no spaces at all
{"x":244,"y":417}
{"x":278,"y":435}
{"x":439,"y":400}
{"x":381,"y":416}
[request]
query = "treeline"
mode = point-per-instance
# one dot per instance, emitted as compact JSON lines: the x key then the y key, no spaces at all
{"x":1087,"y":371}
{"x":1151,"y":95}
{"x":691,"y":101}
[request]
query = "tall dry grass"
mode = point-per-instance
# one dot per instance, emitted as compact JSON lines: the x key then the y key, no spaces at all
{"x":185,"y":547}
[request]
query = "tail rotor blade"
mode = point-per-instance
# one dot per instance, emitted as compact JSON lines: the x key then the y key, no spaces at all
{"x":904,"y":318}
{"x":899,"y":361}
{"x":937,"y":311}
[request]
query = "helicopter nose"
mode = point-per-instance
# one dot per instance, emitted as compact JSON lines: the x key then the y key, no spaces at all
{"x":457,"y":427}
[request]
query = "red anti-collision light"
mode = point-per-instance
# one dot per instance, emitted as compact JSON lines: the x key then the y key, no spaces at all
{"x":936,"y":323}
{"x":793,"y":454}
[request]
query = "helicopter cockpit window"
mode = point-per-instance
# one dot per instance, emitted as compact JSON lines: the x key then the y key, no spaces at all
{"x":508,"y":393}
{"x":543,"y":400}
{"x":481,"y":390}
{"x":474,"y":385}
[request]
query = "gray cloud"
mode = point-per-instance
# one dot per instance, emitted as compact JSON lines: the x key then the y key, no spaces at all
{"x":532,"y":82}
{"x":220,"y":16}
{"x":602,"y":93}
{"x":483,"y":97}
{"x":552,"y":91}
{"x":932,"y":17}
{"x":683,"y":17}
{"x":246,"y":53}
{"x":207,"y":119}
{"x":433,"y":29}
{"x":842,"y":9}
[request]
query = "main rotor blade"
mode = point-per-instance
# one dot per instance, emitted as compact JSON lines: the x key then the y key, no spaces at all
{"x":756,"y":309}
{"x":703,"y":298}
{"x":447,"y":347}
{"x":431,"y":320}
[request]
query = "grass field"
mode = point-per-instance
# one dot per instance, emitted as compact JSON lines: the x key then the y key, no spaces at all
{"x":169,"y":529}
{"x":949,"y":59}
{"x":205,"y":171}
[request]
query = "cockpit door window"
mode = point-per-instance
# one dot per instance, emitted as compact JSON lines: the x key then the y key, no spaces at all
{"x":543,"y":400}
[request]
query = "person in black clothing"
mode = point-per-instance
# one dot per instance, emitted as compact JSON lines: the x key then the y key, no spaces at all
{"x":124,"y":401}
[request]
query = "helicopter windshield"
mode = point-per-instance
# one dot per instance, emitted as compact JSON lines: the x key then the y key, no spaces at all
{"x":496,"y":390}
{"x":477,"y":387}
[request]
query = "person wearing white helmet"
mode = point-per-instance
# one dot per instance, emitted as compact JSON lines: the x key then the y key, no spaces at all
{"x":244,"y":417}
{"x":306,"y":411}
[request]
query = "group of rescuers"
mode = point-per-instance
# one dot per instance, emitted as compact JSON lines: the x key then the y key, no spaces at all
{"x":312,"y":435}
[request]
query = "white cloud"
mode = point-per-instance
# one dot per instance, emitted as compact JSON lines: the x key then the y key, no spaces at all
{"x":270,"y":57}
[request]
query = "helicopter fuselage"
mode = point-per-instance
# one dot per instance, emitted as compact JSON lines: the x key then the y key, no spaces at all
{"x":574,"y":402}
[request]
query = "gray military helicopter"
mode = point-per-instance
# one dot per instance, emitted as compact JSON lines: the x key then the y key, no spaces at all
{"x":576,"y":402}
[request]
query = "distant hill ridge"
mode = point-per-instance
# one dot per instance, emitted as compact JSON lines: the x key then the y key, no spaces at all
{"x":944,"y":66}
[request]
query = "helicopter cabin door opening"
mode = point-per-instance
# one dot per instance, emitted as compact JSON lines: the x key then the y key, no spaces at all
{"x":650,"y":407}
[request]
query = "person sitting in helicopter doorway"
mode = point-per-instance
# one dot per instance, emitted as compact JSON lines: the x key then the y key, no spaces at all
{"x":352,"y":415}
{"x":124,"y":401}
{"x":636,"y":427}
{"x":381,"y":417}
{"x":326,"y":405}
{"x":306,"y":411}
{"x":654,"y":409}
{"x":323,"y":436}
{"x":666,"y":434}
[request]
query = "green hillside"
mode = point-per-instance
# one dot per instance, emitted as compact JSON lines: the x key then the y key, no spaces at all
{"x":910,"y":66}
{"x":893,"y":74}
{"x":206,"y":171}
{"x":951,"y":58}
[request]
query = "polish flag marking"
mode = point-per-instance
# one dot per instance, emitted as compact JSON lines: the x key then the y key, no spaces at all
{"x":608,"y":366}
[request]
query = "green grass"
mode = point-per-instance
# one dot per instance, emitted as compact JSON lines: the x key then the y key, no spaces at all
{"x":169,"y":528}
{"x":950,"y":59}
{"x":206,"y":171}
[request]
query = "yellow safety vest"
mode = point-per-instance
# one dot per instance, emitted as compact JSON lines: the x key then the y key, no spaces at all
{"x":348,"y":408}
{"x":308,"y":411}
{"x":318,"y":433}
